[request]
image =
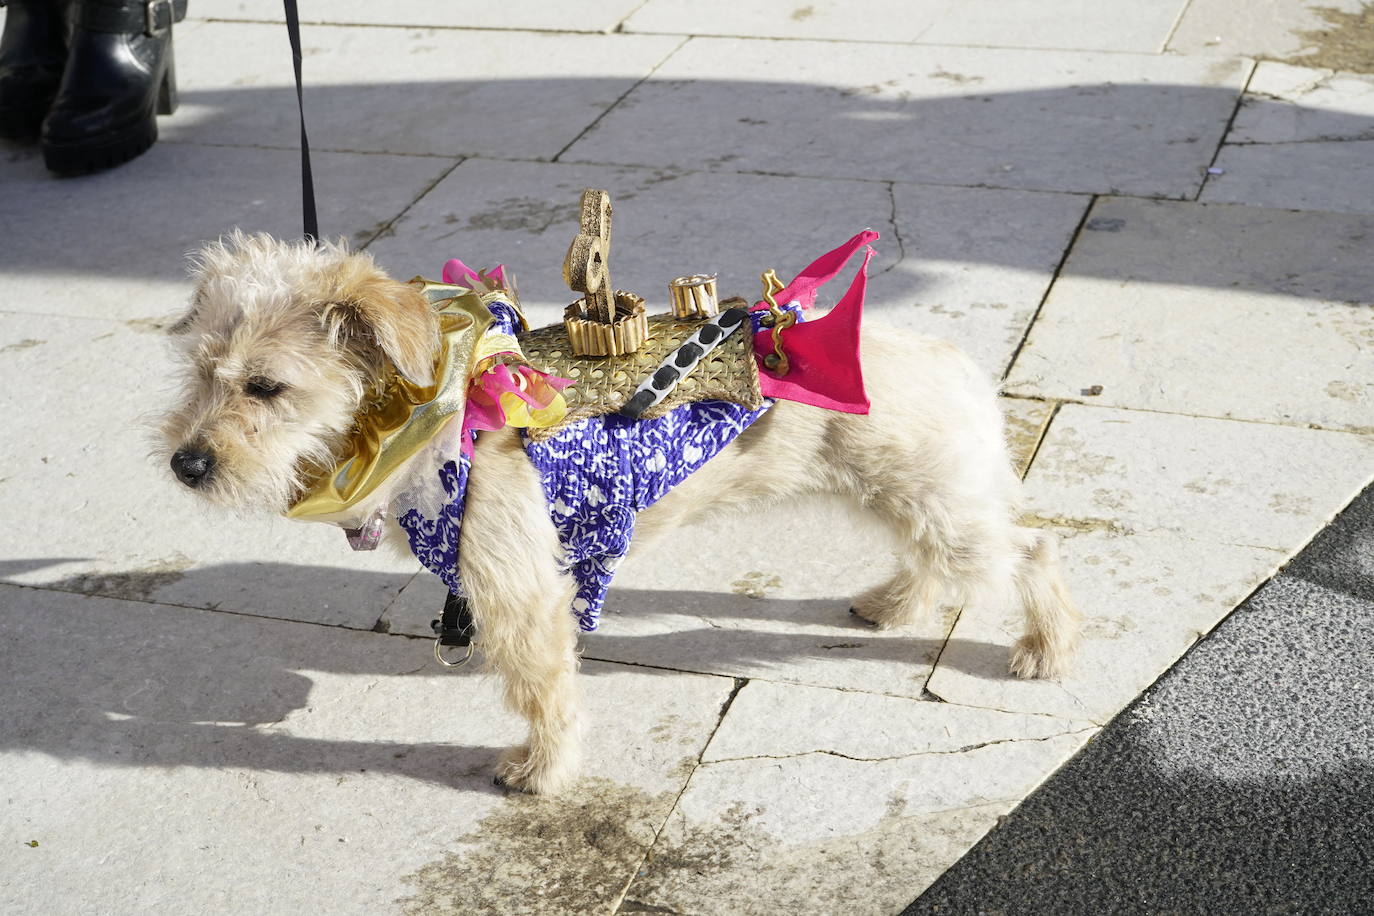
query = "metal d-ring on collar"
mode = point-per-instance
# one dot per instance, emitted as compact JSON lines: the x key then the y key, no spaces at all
{"x":455,"y":628}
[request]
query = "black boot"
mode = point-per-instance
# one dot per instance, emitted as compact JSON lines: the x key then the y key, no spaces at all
{"x":119,"y":77}
{"x":33,"y":51}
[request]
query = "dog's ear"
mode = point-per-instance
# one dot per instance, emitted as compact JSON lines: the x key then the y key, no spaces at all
{"x":369,"y":308}
{"x":188,"y":318}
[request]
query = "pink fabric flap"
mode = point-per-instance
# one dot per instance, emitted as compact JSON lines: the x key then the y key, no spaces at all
{"x":823,"y":353}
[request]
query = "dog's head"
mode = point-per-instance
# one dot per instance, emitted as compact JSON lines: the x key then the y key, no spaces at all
{"x":283,"y":343}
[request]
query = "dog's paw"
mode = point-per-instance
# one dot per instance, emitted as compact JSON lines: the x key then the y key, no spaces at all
{"x":880,"y":613}
{"x":1031,"y":658}
{"x":536,"y":774}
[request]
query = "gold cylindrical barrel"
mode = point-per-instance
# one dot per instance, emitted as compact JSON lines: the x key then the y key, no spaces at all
{"x":694,"y":296}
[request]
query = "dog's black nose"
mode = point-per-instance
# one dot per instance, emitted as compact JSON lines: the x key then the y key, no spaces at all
{"x":192,"y":468}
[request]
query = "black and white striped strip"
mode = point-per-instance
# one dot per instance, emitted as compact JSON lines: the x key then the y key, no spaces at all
{"x":682,"y":361}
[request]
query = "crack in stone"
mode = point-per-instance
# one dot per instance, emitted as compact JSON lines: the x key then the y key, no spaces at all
{"x":962,"y":750}
{"x":896,"y":229}
{"x":1361,"y":138}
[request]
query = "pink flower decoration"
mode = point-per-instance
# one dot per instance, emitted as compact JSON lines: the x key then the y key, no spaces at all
{"x":501,"y":397}
{"x":459,"y":274}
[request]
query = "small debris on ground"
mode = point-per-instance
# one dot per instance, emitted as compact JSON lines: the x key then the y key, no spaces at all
{"x":1094,"y":391}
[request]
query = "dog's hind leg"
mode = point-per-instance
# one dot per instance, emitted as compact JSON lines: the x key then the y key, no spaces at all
{"x":1052,"y":620}
{"x":520,"y":603}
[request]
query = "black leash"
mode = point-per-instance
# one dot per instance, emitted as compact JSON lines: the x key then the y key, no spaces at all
{"x":454,"y":628}
{"x":310,"y":220}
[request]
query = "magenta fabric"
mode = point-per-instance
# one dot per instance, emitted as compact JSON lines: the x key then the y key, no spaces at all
{"x":823,"y":353}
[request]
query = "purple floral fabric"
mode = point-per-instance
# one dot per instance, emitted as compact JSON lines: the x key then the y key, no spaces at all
{"x":434,"y":541}
{"x":600,"y":472}
{"x":597,"y":475}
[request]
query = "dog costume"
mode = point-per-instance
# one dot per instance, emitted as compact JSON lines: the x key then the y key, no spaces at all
{"x":608,"y":435}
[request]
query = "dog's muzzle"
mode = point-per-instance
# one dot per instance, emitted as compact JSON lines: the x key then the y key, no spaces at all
{"x":192,"y":468}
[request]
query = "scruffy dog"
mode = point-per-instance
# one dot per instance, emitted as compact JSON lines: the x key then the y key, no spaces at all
{"x":284,"y":342}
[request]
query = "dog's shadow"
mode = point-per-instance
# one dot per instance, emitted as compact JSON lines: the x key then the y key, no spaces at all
{"x":140,"y":684}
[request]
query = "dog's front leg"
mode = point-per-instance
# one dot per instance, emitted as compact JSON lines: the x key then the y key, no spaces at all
{"x":509,"y":562}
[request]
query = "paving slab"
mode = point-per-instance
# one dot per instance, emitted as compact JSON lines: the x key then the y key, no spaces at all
{"x":1166,"y":524}
{"x":967,"y":264}
{"x":823,"y":20}
{"x":1302,"y":140}
{"x":1077,"y":121}
{"x":1085,"y":25}
{"x":1062,"y":24}
{"x":424,"y":91}
{"x":806,"y":784}
{"x":1211,"y":309}
{"x":161,"y":760}
{"x":566,"y":16}
{"x":737,"y":606}
{"x":1275,"y":29}
{"x":1288,"y":104}
{"x":92,"y":511}
{"x":113,"y":245}
{"x":1296,"y":176}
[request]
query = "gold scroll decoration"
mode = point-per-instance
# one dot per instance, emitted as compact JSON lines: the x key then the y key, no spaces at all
{"x":605,"y":321}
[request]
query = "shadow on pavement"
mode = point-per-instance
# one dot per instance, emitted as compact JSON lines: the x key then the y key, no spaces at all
{"x":1103,"y":138}
{"x":137,"y":684}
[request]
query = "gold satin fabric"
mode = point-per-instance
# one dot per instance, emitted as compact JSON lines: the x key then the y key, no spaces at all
{"x":401,"y":423}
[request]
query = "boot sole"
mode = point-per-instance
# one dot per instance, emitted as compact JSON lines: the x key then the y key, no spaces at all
{"x":96,"y":154}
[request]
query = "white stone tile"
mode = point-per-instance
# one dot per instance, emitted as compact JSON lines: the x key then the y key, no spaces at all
{"x":1268,"y":28}
{"x":567,"y":15}
{"x":1166,"y":524}
{"x":1072,"y":121}
{"x":442,"y":92}
{"x":113,"y":245}
{"x":167,"y":760}
{"x":758,"y":836}
{"x":1063,"y":24}
{"x":1287,"y":104}
{"x":88,"y":509}
{"x":783,"y":720}
{"x":1302,"y":140}
{"x":1212,"y":481}
{"x":1211,"y":309}
{"x":975,"y":264}
{"x":1335,"y":176}
{"x":826,"y":20}
{"x":1088,"y":25}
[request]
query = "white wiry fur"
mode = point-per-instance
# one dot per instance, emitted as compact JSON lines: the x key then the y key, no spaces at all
{"x":929,"y":462}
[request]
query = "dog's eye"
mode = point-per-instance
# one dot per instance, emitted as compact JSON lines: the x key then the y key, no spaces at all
{"x":263,"y":388}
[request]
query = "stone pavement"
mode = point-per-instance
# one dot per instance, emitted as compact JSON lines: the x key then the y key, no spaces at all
{"x":1152,"y":220}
